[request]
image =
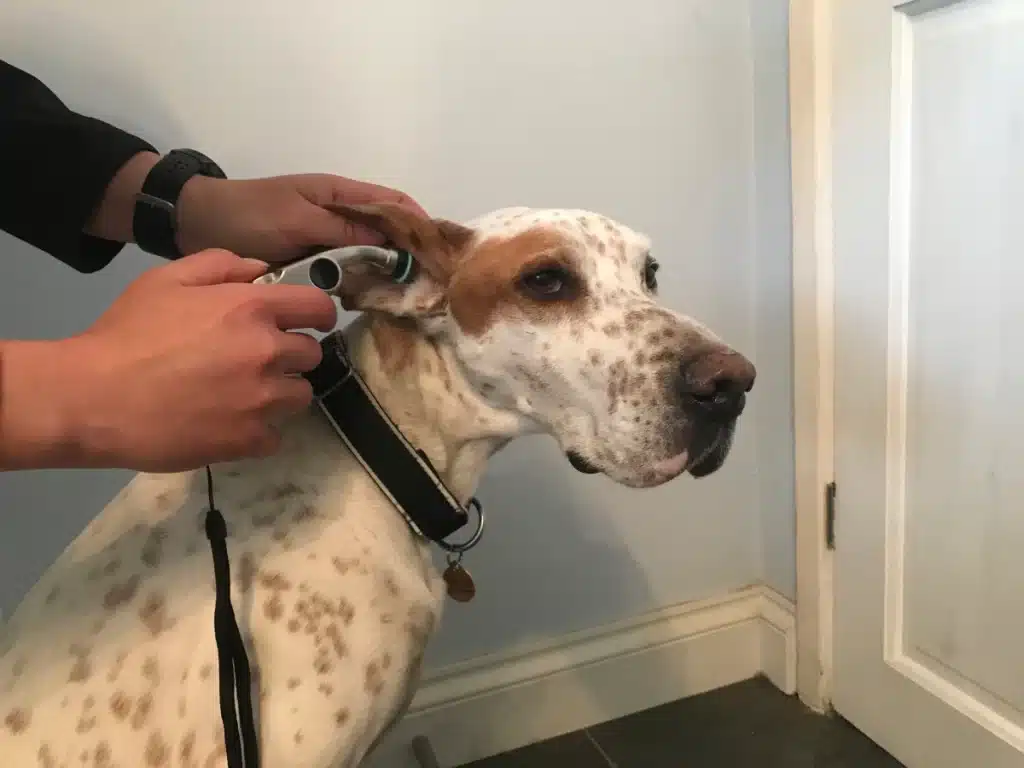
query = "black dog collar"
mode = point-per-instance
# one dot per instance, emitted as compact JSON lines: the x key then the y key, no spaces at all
{"x":403,"y":473}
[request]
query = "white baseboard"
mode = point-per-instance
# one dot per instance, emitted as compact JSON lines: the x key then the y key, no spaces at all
{"x":496,"y":703}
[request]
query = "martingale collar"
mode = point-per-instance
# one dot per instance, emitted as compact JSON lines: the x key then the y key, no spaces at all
{"x":401,"y":471}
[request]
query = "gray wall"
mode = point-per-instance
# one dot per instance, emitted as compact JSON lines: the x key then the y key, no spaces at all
{"x":667,"y":114}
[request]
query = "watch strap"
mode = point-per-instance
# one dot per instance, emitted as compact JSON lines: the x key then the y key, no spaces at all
{"x":155,"y":216}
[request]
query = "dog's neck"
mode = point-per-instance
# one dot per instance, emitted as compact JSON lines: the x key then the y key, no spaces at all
{"x":421,"y":386}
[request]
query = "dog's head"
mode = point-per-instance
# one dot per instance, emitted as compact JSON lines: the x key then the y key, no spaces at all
{"x":553,"y":315}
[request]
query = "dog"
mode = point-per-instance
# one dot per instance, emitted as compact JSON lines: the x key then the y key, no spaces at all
{"x":523,"y":321}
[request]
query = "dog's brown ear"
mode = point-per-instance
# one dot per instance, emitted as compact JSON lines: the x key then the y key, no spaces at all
{"x":437,"y":245}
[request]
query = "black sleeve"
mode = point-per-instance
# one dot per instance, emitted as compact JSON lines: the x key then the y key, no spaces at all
{"x":55,"y":166}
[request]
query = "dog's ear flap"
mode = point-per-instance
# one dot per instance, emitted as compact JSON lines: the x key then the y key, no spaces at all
{"x":437,"y":245}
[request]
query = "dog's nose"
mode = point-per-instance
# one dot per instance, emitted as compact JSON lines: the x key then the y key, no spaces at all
{"x":717,"y":383}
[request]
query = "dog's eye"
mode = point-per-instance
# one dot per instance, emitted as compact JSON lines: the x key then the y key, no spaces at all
{"x":548,"y":283}
{"x":651,"y":274}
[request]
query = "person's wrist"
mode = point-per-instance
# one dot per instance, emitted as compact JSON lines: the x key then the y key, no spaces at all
{"x":198,"y":208}
{"x":42,"y":419}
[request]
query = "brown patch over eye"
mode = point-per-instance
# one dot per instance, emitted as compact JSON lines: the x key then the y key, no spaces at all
{"x":492,"y":281}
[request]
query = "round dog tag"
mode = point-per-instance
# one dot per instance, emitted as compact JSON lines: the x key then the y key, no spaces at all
{"x":459,"y":583}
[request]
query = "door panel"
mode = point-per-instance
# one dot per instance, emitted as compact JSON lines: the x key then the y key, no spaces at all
{"x":928,"y":192}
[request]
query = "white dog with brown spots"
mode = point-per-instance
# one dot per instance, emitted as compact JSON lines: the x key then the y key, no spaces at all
{"x":523,"y":321}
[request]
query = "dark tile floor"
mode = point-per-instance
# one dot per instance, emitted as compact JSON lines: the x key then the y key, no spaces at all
{"x":747,"y":725}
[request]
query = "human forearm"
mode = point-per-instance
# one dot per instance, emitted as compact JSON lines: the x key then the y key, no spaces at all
{"x":58,"y":167}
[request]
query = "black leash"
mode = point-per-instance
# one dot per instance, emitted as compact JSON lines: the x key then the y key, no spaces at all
{"x":240,"y":740}
{"x":403,"y":474}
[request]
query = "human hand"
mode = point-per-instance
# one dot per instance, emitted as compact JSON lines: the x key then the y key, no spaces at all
{"x":193,"y":364}
{"x":278,"y":218}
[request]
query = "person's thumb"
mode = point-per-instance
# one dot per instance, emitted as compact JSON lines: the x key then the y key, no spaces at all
{"x":214,"y":266}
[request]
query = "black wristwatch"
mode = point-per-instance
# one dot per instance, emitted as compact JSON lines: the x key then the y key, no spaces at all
{"x":155,"y":217}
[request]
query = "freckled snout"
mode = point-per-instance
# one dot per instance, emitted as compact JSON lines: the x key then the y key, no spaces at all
{"x":715,"y":384}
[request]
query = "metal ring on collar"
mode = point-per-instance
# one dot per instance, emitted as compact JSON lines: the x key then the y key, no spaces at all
{"x":475,"y":538}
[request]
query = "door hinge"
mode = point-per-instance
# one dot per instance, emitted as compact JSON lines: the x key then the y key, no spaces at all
{"x":830,"y":515}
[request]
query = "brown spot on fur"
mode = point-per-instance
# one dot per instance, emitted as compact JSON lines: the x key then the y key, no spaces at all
{"x":101,"y":756}
{"x":187,"y":747}
{"x":303,"y":513}
{"x":342,"y":716}
{"x":246,"y":572}
{"x":374,"y":680}
{"x":52,"y":595}
{"x":153,"y":614}
{"x":46,"y":758}
{"x":322,"y":664}
{"x":122,"y":593}
{"x":284,"y":491}
{"x":151,"y":670}
{"x":334,"y":635}
{"x":274,"y":580}
{"x":346,"y":610}
{"x":115,"y":670}
{"x":343,"y":566}
{"x":85,"y":724}
{"x":484,"y":288}
{"x":18,"y":720}
{"x":143,"y":707}
{"x":153,"y":548}
{"x":298,"y":737}
{"x":293,"y":625}
{"x":618,"y":377}
{"x":293,"y":683}
{"x":273,"y":608}
{"x":120,"y":705}
{"x":391,"y":585}
{"x":80,"y":670}
{"x":326,"y":689}
{"x":158,"y":754}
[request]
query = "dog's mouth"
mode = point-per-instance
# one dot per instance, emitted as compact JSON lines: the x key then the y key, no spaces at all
{"x":581,"y":465}
{"x":706,"y":455}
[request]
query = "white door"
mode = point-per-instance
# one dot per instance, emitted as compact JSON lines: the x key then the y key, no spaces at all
{"x":928,"y":203}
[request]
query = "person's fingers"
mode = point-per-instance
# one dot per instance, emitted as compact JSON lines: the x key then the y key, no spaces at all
{"x":292,"y":394}
{"x":212,"y":267}
{"x":322,"y":227}
{"x":298,"y":306}
{"x":325,"y":189}
{"x":297,"y":353}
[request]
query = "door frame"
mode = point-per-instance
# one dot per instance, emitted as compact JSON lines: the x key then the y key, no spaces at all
{"x":811,"y":148}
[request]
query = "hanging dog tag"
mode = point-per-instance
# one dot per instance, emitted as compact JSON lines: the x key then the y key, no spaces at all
{"x":460,"y":584}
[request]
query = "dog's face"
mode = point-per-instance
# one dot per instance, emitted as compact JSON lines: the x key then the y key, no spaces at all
{"x":554,"y":315}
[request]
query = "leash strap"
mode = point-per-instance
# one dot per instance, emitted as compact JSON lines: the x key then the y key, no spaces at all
{"x":240,"y":740}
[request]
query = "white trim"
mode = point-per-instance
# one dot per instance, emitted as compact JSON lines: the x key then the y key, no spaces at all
{"x":813,"y":340}
{"x":496,"y":703}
